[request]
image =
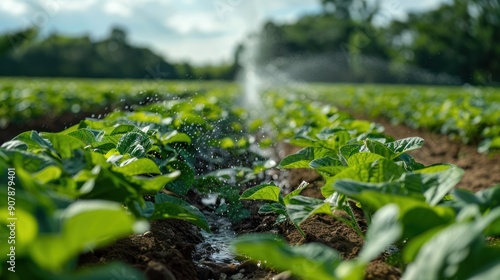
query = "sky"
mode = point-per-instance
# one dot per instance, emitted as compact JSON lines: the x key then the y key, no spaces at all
{"x":195,"y":31}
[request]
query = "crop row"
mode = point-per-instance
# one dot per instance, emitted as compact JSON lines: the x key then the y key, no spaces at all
{"x":84,"y":187}
{"x":471,"y":115}
{"x":24,"y":100}
{"x":413,"y":212}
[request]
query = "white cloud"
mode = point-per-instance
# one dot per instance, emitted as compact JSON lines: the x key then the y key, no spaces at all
{"x":117,"y":8}
{"x":185,"y":23}
{"x":12,"y":7}
{"x":80,"y":6}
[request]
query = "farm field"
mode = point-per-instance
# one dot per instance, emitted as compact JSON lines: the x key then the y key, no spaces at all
{"x":116,"y":179}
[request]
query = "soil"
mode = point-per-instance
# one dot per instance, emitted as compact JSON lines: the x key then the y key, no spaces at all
{"x":167,"y":251}
{"x":481,"y":170}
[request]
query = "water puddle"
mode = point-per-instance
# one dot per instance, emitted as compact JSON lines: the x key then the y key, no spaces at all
{"x":215,"y":247}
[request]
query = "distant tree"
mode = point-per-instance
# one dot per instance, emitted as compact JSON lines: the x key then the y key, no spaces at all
{"x":62,"y":56}
{"x":460,"y":38}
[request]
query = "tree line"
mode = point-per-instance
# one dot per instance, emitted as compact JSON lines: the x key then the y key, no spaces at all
{"x":458,"y":42}
{"x":113,"y":57}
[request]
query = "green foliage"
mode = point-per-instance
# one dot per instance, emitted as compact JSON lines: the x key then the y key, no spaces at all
{"x":103,"y":179}
{"x":308,"y":261}
{"x":468,"y":114}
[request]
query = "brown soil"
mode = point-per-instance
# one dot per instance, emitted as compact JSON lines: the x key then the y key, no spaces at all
{"x":481,"y":170}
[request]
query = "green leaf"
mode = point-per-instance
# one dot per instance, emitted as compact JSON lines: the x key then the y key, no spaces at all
{"x":363,"y":158}
{"x":14,"y":145}
{"x":382,"y":170}
{"x":34,"y":142}
{"x":301,"y":208}
{"x":185,"y":181}
{"x":301,"y":159}
{"x":140,"y":166}
{"x":405,"y":145}
{"x":486,"y":199}
{"x":124,"y":128}
{"x":457,"y":252}
{"x":63,"y":144}
{"x":272,"y":207}
{"x":175,"y":208}
{"x":152,"y":185}
{"x":262,"y":192}
{"x":437,"y":180}
{"x":347,"y":151}
{"x":47,"y":174}
{"x":134,"y":143}
{"x":327,"y":166}
{"x":309,"y":261}
{"x":297,"y":191}
{"x":379,"y":148}
{"x":85,"y":225}
{"x":384,"y":230}
{"x":88,"y":136}
{"x":175,"y":136}
{"x":30,"y":161}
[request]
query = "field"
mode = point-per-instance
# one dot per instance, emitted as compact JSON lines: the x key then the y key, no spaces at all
{"x":124,"y":179}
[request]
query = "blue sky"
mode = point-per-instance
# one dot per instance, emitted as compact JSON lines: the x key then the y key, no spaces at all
{"x":198,"y":31}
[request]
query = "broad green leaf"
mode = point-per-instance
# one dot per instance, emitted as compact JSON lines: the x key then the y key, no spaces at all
{"x":134,"y":143}
{"x":34,"y":142}
{"x":302,"y":207}
{"x":486,"y":199}
{"x":175,"y":208}
{"x":48,"y":174}
{"x":437,"y":180}
{"x":297,"y":191}
{"x":419,"y":219}
{"x":175,"y":136}
{"x":379,"y":148}
{"x":140,"y":166}
{"x":25,"y":221}
{"x":363,"y":158}
{"x":301,"y":159}
{"x":347,"y":151}
{"x":147,"y":210}
{"x":262,"y":192}
{"x":85,"y":225}
{"x":30,"y":161}
{"x":441,"y":257}
{"x":382,"y":170}
{"x":88,"y":136}
{"x":272,"y":207}
{"x":124,"y":128}
{"x":405,"y":145}
{"x":411,"y":249}
{"x":14,"y":145}
{"x":63,"y":144}
{"x":152,"y":185}
{"x":106,"y":184}
{"x":327,"y":166}
{"x":384,"y":230}
{"x":183,"y":183}
{"x":309,"y":261}
{"x":457,"y":252}
{"x":408,"y":162}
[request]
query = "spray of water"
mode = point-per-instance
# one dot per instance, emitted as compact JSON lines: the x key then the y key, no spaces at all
{"x":250,"y":76}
